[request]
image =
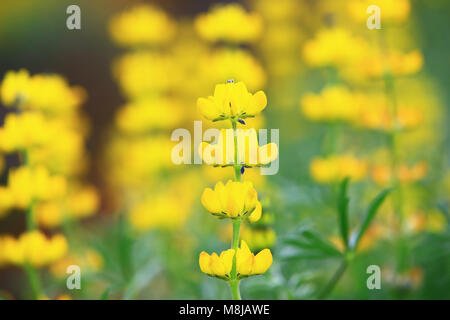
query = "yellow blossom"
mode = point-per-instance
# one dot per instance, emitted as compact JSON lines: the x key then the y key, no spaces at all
{"x":231,"y":100}
{"x":47,"y":92}
{"x":335,"y":47}
{"x":149,"y":114}
{"x":247,"y":264}
{"x":333,"y":103}
{"x":142,"y":25}
{"x":230,"y":23}
{"x":33,"y":248}
{"x":223,"y":64}
{"x":391,"y":11}
{"x":337,"y":167}
{"x":27,"y":185}
{"x":377,"y":64}
{"x":143,"y":73}
{"x":233,"y":200}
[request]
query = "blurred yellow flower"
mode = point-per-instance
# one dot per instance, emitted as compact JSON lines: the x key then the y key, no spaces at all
{"x":80,"y":202}
{"x":391,"y":11}
{"x":333,"y":47}
{"x":377,"y":64}
{"x":370,"y":238}
{"x":333,"y":103}
{"x":144,"y":73}
{"x":149,"y":114}
{"x":142,"y":25}
{"x":382,"y":174}
{"x":30,"y":184}
{"x":24,"y":131}
{"x":336,"y":167}
{"x":229,"y":23}
{"x":223,"y":64}
{"x":247,"y":264}
{"x":233,"y":200}
{"x":47,"y":92}
{"x":32,"y":248}
{"x":231,"y":100}
{"x":88,"y":259}
{"x":377,"y":115}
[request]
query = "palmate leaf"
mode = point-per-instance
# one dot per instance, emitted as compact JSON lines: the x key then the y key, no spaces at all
{"x":342,"y":207}
{"x":371,"y":212}
{"x":309,"y":245}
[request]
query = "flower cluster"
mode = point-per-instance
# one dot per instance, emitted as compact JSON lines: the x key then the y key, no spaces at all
{"x":229,"y":23}
{"x":142,"y":25}
{"x":235,"y":200}
{"x":247,"y":264}
{"x":45,"y":129}
{"x":32,"y":248}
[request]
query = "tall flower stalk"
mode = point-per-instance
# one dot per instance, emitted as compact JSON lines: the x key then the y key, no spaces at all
{"x":236,"y":200}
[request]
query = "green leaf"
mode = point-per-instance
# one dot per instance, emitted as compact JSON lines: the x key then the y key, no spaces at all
{"x":310,"y":245}
{"x":342,"y":207}
{"x":371,"y":212}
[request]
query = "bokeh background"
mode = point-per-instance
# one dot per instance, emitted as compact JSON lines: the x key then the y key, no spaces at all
{"x":368,"y":104}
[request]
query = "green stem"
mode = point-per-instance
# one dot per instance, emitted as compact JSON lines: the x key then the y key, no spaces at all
{"x":333,"y":281}
{"x":30,"y":221}
{"x":34,"y":281}
{"x":234,"y":282}
{"x":234,"y":285}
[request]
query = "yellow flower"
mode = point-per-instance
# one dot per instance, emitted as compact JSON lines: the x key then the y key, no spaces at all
{"x":230,"y":23}
{"x":258,"y":238}
{"x":88,"y":259}
{"x":337,"y":167}
{"x":142,"y":25}
{"x":49,"y":92}
{"x":143,"y":73}
{"x":247,"y":264}
{"x":249,"y":154}
{"x":33,"y":248}
{"x":231,"y":100}
{"x":6,"y":201}
{"x":334,"y":47}
{"x":391,"y":11}
{"x":14,"y":87}
{"x":333,"y":103}
{"x":405,"y":173}
{"x":233,"y":200}
{"x":149,"y":114}
{"x":27,"y":185}
{"x":377,"y":64}
{"x":24,"y":131}
{"x":218,"y":266}
{"x":224,"y":64}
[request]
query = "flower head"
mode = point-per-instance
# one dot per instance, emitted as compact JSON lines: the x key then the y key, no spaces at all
{"x":33,"y":248}
{"x":229,"y":23}
{"x":233,"y":200}
{"x":247,"y":264}
{"x":231,"y":100}
{"x":142,"y":25}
